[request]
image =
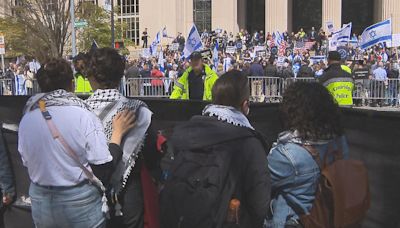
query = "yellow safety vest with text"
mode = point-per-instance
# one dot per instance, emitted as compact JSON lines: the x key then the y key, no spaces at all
{"x":341,"y":89}
{"x":181,"y":87}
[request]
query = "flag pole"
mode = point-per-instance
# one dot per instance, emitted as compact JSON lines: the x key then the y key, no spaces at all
{"x":391,"y":38}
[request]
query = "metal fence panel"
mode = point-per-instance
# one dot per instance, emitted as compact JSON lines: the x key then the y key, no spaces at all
{"x":262,"y":89}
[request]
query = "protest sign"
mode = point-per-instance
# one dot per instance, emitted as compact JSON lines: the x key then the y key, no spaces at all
{"x":259,"y":48}
{"x":230,"y":49}
{"x":174,"y":47}
{"x":207,"y":54}
{"x":343,"y":52}
{"x":280,"y":61}
{"x":317,"y":59}
{"x":261,"y":53}
{"x":329,"y":25}
{"x":274,"y":50}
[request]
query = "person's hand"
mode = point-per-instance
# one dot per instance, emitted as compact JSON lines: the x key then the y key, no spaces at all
{"x":122,"y":123}
{"x":7,"y":199}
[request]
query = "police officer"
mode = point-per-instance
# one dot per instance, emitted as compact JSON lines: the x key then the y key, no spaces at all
{"x":82,"y":84}
{"x":196,"y":82}
{"x":339,"y":82}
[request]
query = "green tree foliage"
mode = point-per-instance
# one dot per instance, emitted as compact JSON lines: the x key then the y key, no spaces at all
{"x":46,"y":24}
{"x":16,"y":38}
{"x":98,"y":27}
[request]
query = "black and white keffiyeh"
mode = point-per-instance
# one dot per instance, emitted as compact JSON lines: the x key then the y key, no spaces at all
{"x":107,"y":104}
{"x":227,"y":114}
{"x":294,"y":137}
{"x":55,"y":98}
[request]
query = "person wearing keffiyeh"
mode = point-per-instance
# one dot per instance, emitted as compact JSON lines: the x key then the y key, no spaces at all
{"x":132,"y":189}
{"x":63,"y":146}
{"x":221,"y":137}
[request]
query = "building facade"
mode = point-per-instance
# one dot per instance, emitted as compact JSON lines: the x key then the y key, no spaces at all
{"x":234,"y":15}
{"x":268,"y":15}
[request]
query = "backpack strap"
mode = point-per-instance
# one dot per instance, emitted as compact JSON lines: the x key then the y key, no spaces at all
{"x":315,"y":155}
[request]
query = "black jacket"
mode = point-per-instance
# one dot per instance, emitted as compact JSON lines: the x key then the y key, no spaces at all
{"x":271,"y":71}
{"x":305,"y":72}
{"x":334,"y":71}
{"x":249,"y":151}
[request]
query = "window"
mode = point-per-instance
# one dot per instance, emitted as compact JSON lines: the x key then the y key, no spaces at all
{"x":129,"y":7}
{"x":129,"y":16}
{"x":202,"y":14}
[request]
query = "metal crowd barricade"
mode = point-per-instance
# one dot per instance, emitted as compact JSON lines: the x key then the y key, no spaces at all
{"x":369,"y":91}
{"x":266,"y":89}
{"x":149,"y":87}
{"x":9,"y":87}
{"x":262,"y":89}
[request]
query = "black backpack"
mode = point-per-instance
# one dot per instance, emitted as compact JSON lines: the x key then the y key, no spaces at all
{"x":199,"y":188}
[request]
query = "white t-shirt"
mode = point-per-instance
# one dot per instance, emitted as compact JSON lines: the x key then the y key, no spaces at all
{"x":46,"y":159}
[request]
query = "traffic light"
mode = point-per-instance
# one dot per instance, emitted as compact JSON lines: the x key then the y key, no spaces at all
{"x":119,"y":44}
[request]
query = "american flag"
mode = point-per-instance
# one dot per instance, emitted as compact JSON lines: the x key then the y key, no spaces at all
{"x":304,"y":45}
{"x":282,"y":48}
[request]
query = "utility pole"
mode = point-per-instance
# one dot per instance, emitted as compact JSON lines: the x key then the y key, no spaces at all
{"x":73,"y":32}
{"x":112,"y":25}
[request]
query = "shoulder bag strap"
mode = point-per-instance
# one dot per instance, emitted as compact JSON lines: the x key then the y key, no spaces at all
{"x":57,"y":135}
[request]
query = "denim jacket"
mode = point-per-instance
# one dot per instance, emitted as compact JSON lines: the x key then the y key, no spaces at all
{"x":6,"y":176}
{"x":295,"y":176}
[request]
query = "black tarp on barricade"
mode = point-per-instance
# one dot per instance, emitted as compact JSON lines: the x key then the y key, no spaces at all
{"x":374,"y":138}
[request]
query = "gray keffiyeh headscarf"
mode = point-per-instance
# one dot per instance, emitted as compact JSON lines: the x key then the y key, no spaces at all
{"x":55,"y":98}
{"x":227,"y":114}
{"x":107,"y":104}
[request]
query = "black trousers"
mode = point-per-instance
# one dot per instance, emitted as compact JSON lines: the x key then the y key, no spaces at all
{"x":132,"y":205}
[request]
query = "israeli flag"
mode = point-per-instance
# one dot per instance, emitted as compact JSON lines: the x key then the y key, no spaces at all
{"x":377,"y":33}
{"x":161,"y":61}
{"x":164,"y":32}
{"x":278,"y":38}
{"x":342,"y":36}
{"x":215,"y":56}
{"x":193,"y":42}
{"x":154,"y":44}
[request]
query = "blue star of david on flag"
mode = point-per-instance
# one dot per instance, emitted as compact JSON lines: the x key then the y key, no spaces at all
{"x":373,"y":34}
{"x":376,"y":34}
{"x":193,"y":42}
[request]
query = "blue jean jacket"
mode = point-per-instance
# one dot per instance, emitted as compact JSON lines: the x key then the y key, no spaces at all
{"x":295,"y":176}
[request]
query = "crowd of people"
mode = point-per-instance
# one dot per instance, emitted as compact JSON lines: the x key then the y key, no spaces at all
{"x":291,"y":55}
{"x":19,"y":78}
{"x":299,"y":55}
{"x":106,"y":166}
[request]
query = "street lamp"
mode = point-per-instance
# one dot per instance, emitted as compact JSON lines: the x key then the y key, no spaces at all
{"x":112,"y":25}
{"x":73,"y":33}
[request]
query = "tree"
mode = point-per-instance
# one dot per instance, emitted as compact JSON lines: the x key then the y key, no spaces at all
{"x":46,"y":23}
{"x":98,"y":27}
{"x":16,"y":38}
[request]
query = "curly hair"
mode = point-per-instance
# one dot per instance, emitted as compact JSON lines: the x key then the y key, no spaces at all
{"x":55,"y":74}
{"x":106,"y":66}
{"x":310,"y":109}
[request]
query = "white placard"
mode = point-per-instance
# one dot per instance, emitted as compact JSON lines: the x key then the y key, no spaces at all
{"x":230,"y":49}
{"x":174,"y":47}
{"x":329,"y":26}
